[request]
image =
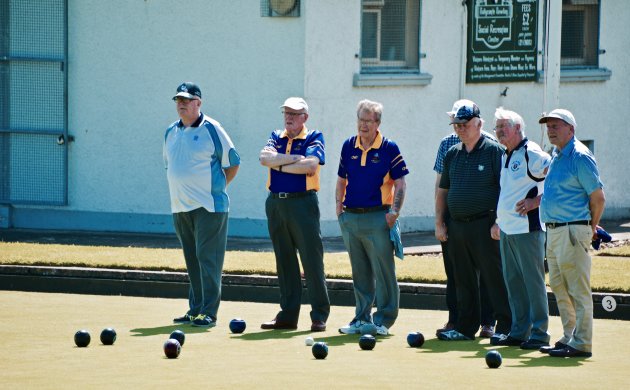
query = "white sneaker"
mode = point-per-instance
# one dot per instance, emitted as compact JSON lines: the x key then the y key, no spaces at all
{"x":354,"y":327}
{"x":381,"y":330}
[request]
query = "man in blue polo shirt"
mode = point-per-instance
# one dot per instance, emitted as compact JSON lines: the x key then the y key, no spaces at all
{"x":294,"y":157}
{"x":369,"y":196}
{"x":571,"y":207}
{"x":200,"y":162}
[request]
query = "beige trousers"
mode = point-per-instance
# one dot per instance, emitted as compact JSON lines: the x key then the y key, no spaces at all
{"x":570,"y":280}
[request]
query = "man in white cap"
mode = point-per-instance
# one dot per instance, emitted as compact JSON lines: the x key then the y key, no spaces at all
{"x":571,"y":207}
{"x":487,"y":320}
{"x":294,"y":157}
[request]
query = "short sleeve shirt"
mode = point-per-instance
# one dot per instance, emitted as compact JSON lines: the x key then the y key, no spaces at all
{"x":446,"y":143}
{"x":194,"y":158}
{"x":371,"y":173}
{"x":522,"y":176}
{"x":572,"y":178}
{"x":472,"y":179}
{"x":307,"y":143}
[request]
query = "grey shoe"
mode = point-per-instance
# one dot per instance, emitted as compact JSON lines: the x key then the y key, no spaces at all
{"x":354,"y":327}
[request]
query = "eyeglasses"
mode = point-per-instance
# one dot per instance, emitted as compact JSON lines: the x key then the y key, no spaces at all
{"x":292,"y":114}
{"x":183,"y":100}
{"x":501,"y":127}
{"x":461,"y":125}
{"x":366,"y":121}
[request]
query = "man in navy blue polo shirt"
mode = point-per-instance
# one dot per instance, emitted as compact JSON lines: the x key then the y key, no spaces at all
{"x":369,"y":196}
{"x":294,"y":156}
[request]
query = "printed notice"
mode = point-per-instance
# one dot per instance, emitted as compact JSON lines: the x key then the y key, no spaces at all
{"x":502,"y":40}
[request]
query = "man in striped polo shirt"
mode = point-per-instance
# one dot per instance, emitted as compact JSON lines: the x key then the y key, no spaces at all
{"x":487,"y":320}
{"x":294,"y":157}
{"x":369,"y":196}
{"x":469,"y":192}
{"x":200,"y":162}
{"x":521,"y":233}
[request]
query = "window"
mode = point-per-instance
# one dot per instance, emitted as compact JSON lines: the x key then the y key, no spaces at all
{"x":580,"y":34}
{"x":390,"y":32}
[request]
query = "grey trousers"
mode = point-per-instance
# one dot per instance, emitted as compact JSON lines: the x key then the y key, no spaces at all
{"x":523,"y":258}
{"x":203,"y":236}
{"x":371,"y":251}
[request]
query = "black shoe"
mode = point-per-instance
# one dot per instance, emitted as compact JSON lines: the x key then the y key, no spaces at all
{"x":534,"y":344}
{"x":185,"y":319}
{"x":557,"y":345}
{"x":505,"y":340}
{"x":278,"y":324}
{"x":569,"y":352}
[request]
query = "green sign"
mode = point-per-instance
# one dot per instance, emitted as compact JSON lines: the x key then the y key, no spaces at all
{"x":502,"y":40}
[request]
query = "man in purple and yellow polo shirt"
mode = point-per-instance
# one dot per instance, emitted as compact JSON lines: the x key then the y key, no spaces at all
{"x":294,"y":156}
{"x":370,"y":193}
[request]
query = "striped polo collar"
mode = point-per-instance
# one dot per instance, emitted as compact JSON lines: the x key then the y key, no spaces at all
{"x":378,"y":141}
{"x":301,"y":135}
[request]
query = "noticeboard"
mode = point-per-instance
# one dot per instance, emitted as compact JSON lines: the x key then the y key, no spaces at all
{"x":502,"y":40}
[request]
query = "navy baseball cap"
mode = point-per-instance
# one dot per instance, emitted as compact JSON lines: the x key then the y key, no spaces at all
{"x":466,"y":112}
{"x":188,"y":90}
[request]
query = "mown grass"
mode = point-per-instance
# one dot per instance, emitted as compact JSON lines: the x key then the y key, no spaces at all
{"x":610,"y":271}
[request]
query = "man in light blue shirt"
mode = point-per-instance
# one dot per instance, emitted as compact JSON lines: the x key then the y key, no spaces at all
{"x":571,"y":207}
{"x":200,"y":161}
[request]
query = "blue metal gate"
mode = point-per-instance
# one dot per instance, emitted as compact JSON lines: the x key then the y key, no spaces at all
{"x":33,"y":102}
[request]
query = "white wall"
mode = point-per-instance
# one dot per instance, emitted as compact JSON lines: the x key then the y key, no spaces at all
{"x":127,"y":57}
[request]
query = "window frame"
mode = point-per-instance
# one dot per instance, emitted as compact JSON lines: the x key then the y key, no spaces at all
{"x":590,"y":36}
{"x":398,"y":72}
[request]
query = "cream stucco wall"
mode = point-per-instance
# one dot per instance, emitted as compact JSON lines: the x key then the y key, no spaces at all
{"x":126,"y":57}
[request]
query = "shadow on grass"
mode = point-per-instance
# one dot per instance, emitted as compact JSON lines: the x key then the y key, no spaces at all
{"x":334,"y":340}
{"x":167,"y":330}
{"x":270,"y":334}
{"x":512,"y":357}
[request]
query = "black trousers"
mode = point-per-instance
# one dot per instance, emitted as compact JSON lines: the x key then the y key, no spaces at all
{"x":294,"y":228}
{"x":476,"y":254}
{"x":487,"y":317}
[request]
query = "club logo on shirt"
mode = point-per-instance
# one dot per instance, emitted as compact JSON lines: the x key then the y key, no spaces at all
{"x":354,"y":157}
{"x":376,"y":159}
{"x":297,"y":147}
{"x":195,"y":138}
{"x":480,"y":168}
{"x":515,"y":166}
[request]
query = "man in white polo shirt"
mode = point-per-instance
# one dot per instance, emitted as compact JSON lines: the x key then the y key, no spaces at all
{"x":200,"y":162}
{"x":524,"y":166}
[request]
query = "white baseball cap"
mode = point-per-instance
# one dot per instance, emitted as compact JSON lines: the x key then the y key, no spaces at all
{"x":560,"y":113}
{"x":296,"y":103}
{"x":458,"y":104}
